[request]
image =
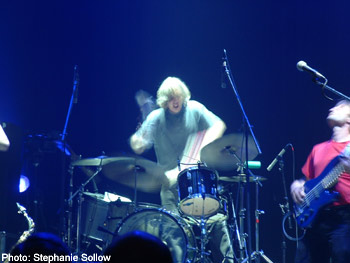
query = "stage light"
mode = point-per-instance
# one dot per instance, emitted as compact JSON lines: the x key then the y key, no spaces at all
{"x":24,"y":183}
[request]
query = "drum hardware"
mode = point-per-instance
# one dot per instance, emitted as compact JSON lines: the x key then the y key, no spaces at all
{"x":258,"y":253}
{"x":79,"y":193}
{"x":204,"y":241}
{"x":239,"y":233}
{"x":234,"y":227}
{"x":135,"y":172}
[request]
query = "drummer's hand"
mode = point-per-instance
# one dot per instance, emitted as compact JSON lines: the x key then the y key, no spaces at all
{"x":172,"y":176}
{"x":297,"y":190}
{"x":137,"y":143}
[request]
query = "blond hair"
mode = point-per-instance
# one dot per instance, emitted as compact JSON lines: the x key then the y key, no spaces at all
{"x":170,"y":88}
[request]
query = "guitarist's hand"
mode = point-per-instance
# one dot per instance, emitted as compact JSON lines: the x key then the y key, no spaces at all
{"x":297,"y":190}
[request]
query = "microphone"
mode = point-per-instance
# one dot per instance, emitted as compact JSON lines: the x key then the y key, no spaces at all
{"x":224,"y":64}
{"x":75,"y":84}
{"x":273,"y":163}
{"x":302,"y":66}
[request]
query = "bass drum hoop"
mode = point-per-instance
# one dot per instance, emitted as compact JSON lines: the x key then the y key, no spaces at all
{"x":188,"y":243}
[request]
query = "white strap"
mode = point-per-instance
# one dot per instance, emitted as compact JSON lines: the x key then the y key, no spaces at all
{"x":346,"y":151}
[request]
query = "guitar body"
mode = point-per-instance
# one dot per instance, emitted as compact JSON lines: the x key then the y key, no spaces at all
{"x":317,"y":194}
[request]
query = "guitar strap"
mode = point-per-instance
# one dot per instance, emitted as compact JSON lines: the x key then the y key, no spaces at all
{"x":346,"y":151}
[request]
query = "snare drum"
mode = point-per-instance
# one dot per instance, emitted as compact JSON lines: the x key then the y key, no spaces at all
{"x":168,"y":227}
{"x":198,"y":192}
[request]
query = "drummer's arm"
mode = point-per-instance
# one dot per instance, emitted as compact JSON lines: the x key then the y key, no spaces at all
{"x":194,"y":144}
{"x":142,"y":139}
{"x":213,"y":133}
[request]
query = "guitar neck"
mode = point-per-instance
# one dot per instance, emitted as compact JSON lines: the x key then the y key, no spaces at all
{"x":332,"y":177}
{"x":329,"y":179}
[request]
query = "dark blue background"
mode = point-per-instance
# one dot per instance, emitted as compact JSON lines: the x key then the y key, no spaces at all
{"x":123,"y":46}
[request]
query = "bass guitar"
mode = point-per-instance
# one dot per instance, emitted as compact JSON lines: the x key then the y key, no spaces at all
{"x":318,"y":193}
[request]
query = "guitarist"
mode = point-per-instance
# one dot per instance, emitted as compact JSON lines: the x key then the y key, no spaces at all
{"x":328,"y":237}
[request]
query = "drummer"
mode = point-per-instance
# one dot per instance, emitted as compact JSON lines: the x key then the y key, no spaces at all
{"x":178,"y":130}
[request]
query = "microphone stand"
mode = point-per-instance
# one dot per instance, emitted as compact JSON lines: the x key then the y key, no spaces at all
{"x":284,"y":207}
{"x":325,"y":86}
{"x":247,"y":127}
{"x":73,"y":100}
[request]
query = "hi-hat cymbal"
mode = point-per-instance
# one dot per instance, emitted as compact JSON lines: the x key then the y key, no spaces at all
{"x":228,"y":151}
{"x":149,"y":175}
{"x":241,"y":178}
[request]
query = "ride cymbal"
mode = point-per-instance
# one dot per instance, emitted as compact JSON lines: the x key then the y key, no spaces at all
{"x":100,"y":161}
{"x":228,"y":151}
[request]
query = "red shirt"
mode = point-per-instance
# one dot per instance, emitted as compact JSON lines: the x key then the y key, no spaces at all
{"x":321,"y":155}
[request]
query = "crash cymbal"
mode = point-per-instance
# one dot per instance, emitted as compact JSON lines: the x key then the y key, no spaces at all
{"x":100,"y":161}
{"x":228,"y":151}
{"x":241,"y":178}
{"x":123,"y":170}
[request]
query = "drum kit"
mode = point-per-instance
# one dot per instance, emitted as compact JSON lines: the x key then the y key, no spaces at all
{"x":102,"y":217}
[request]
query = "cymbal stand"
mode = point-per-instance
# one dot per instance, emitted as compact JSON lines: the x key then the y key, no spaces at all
{"x":258,"y":253}
{"x":80,"y":192}
{"x":137,"y":168}
{"x":243,"y":253}
{"x":73,"y":100}
{"x":70,"y":207}
{"x":204,"y":232}
{"x":135,"y":186}
{"x":233,"y":226}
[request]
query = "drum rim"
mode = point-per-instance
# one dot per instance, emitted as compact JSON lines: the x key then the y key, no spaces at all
{"x":172,"y":216}
{"x":199,"y":168}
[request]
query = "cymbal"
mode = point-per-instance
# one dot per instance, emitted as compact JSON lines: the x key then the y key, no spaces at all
{"x":241,"y":178}
{"x":228,"y":151}
{"x":123,"y":170}
{"x":99,"y":161}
